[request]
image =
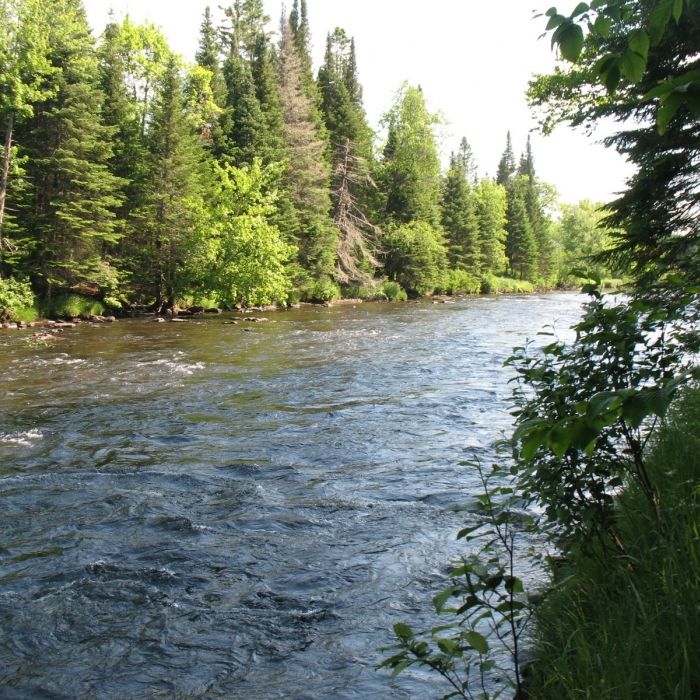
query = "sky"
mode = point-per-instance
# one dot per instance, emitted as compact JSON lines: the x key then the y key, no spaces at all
{"x":472,"y":58}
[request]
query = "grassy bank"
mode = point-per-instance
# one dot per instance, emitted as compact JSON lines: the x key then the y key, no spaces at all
{"x":627,"y":625}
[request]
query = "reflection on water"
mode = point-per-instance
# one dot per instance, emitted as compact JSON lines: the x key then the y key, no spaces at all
{"x":195,"y":511}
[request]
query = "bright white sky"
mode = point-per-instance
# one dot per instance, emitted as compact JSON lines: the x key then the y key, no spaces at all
{"x":472,"y":58}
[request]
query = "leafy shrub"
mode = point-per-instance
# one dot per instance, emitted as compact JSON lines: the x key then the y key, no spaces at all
{"x":321,"y":291}
{"x":490,"y":284}
{"x":71,"y":305}
{"x":393,"y":291}
{"x":582,"y":414}
{"x":368,"y":291}
{"x":17,"y":300}
{"x":416,"y":257}
{"x":459,"y":282}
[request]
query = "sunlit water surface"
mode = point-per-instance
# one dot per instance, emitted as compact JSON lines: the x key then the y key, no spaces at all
{"x":195,"y":511}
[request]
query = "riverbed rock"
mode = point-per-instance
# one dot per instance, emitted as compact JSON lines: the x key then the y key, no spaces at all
{"x":158,"y":319}
{"x":257,"y":319}
{"x":231,"y":323}
{"x":196,"y":309}
{"x":62,"y":325}
{"x":175,"y":319}
{"x":213,"y":311}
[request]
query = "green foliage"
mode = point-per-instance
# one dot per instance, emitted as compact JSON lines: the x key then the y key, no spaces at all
{"x":585,"y":411}
{"x":15,"y":293}
{"x":459,"y":218}
{"x":476,"y":649}
{"x":415,"y":256}
{"x":490,"y":284}
{"x":245,"y":261}
{"x":598,"y":629}
{"x":393,"y":291}
{"x":410,"y":173}
{"x":645,"y":54}
{"x":321,"y":291}
{"x":459,"y":282}
{"x":71,"y":306}
{"x":582,"y":239}
{"x":491,"y":210}
{"x":521,"y":244}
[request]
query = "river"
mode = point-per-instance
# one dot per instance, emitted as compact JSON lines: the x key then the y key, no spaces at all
{"x":195,"y":511}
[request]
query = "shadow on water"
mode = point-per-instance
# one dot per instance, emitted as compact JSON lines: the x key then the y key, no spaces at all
{"x":194,"y":511}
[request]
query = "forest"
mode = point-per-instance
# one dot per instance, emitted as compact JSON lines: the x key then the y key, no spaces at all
{"x":130,"y":176}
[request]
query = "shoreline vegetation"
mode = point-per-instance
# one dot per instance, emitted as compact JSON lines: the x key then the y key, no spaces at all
{"x":247,"y":176}
{"x":74,"y":308}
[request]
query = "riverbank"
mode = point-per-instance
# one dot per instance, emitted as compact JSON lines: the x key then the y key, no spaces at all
{"x":625,"y":623}
{"x":74,"y":308}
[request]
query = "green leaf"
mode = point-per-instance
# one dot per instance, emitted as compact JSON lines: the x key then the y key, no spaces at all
{"x":658,"y":20}
{"x":633,"y":66}
{"x":603,"y":403}
{"x":441,"y":598}
{"x":448,"y":646}
{"x":551,"y":12}
{"x":554,"y":22}
{"x":639,"y":41}
{"x":571,"y":42}
{"x":602,"y":26}
{"x":596,"y":4}
{"x":402,"y":631}
{"x":478,"y":641}
{"x":611,"y":79}
{"x":677,"y":10}
{"x":580,"y":9}
{"x":667,"y":110}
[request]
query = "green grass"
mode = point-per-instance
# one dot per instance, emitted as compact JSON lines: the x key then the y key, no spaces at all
{"x":491,"y":284}
{"x":620,"y":627}
{"x":71,"y":305}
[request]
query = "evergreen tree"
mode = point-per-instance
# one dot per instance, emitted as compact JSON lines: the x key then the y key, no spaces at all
{"x":459,"y":219}
{"x":25,"y":79}
{"x":464,"y":158}
{"x":244,"y":126}
{"x":521,"y":246}
{"x":308,"y":174}
{"x":174,"y":195}
{"x":491,"y":215}
{"x":207,"y":56}
{"x":527,"y":162}
{"x":506,"y":166}
{"x":410,"y":174}
{"x":265,"y":77}
{"x":71,"y":207}
{"x":341,"y":102}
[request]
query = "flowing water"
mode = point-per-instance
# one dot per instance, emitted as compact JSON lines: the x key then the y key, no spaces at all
{"x":195,"y":511}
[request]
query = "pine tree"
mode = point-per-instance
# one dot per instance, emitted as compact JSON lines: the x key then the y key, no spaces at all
{"x":521,"y":246}
{"x":25,"y":79}
{"x":491,"y":214}
{"x":244,"y":128}
{"x":506,"y":167}
{"x":308,"y":175}
{"x":341,"y":102}
{"x":466,"y":161}
{"x":527,"y":162}
{"x":174,"y":192}
{"x":71,"y":207}
{"x":459,"y":219}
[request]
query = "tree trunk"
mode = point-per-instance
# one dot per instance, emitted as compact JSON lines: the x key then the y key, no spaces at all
{"x":5,"y":173}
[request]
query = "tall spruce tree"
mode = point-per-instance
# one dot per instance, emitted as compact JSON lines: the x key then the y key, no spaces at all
{"x":73,"y":196}
{"x":521,"y":246}
{"x":174,"y":195}
{"x":308,"y":173}
{"x":507,"y":166}
{"x":491,"y":213}
{"x":459,"y":218}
